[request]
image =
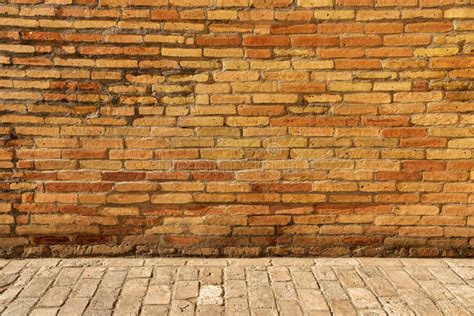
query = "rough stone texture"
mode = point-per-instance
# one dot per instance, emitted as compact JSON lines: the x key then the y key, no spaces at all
{"x":284,"y":286}
{"x":236,"y":128}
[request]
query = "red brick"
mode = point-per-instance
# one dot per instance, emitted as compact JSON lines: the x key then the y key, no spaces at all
{"x":314,"y":41}
{"x":261,"y":40}
{"x":218,"y":40}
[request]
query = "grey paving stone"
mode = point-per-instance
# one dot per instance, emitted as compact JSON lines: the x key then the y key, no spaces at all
{"x":234,"y":287}
{"x":55,"y":296}
{"x":74,"y":306}
{"x":186,"y":290}
{"x":158,"y":294}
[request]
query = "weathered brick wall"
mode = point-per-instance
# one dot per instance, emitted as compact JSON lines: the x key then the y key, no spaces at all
{"x":237,"y":127}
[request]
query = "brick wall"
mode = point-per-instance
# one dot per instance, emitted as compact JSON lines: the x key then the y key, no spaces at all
{"x":237,"y":127}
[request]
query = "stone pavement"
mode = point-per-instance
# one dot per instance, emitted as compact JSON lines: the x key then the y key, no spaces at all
{"x":277,"y":286}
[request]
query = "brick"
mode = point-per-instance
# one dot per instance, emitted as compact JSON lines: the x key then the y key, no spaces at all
{"x":314,"y":41}
{"x":266,"y":41}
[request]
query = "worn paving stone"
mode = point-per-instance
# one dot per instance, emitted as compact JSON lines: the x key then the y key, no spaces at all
{"x":234,"y":287}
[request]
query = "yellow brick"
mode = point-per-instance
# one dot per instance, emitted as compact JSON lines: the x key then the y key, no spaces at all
{"x":181,"y":52}
{"x":275,"y":98}
{"x":459,"y":13}
{"x":323,"y":98}
{"x":171,"y":198}
{"x":333,"y":14}
{"x":313,"y":64}
{"x":314,"y":3}
{"x":461,"y":143}
{"x":434,"y":119}
{"x":246,"y":121}
{"x":222,"y":15}
{"x":270,"y":64}
{"x":392,"y":86}
{"x":436,"y":52}
{"x":350,"y":86}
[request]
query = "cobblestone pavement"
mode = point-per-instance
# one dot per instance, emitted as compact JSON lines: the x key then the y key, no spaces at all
{"x":278,"y":286}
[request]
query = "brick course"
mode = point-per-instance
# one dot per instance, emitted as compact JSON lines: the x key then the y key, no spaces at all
{"x":236,"y":127}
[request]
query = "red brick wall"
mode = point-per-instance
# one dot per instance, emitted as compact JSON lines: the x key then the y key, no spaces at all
{"x":237,"y":127}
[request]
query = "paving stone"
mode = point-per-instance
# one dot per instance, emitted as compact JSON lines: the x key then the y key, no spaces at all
{"x":163,"y":275}
{"x":167,"y":262}
{"x":37,"y":287}
{"x":304,"y":280}
{"x":85,"y":288}
{"x":436,"y":290}
{"x":264,"y":312}
{"x":284,"y":291}
{"x":7,"y":279}
{"x":381,"y":287}
{"x":250,"y":262}
{"x":333,"y":290}
{"x":131,"y":296}
{"x":74,"y":306}
{"x":210,"y":295}
{"x":292,"y":262}
{"x":342,"y":308}
{"x":207,"y":310}
{"x":400,"y":278}
{"x":186,"y":290}
{"x":372,"y":312}
{"x":55,"y":296}
{"x":339,"y":262}
{"x":464,"y":293}
{"x":154,"y":310}
{"x":279,"y":274}
{"x":44,"y":312}
{"x":287,"y":286}
{"x":187,"y":273}
{"x":312,"y":300}
{"x":123,"y":262}
{"x":380,"y":262}
{"x":158,"y":294}
{"x":362,"y":298}
{"x":257,"y":278}
{"x":420,"y":303}
{"x":182,"y":308}
{"x":48,"y":272}
{"x":234,"y":273}
{"x":349,"y":278}
{"x":467,"y":273}
{"x":20,"y":306}
{"x":93,"y":272}
{"x":423,"y":262}
{"x":261,"y":298}
{"x":104,"y":312}
{"x":210,"y":275}
{"x":113,"y":279}
{"x":420,"y":273}
{"x":140,"y":272}
{"x":104,"y":298}
{"x":289,"y":308}
{"x":68,"y":276}
{"x":460,"y":262}
{"x":324,"y":273}
{"x":235,"y":288}
{"x":14,"y":266}
{"x":207,"y":262}
{"x":236,"y":305}
{"x":395,"y":306}
{"x":445,"y":275}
